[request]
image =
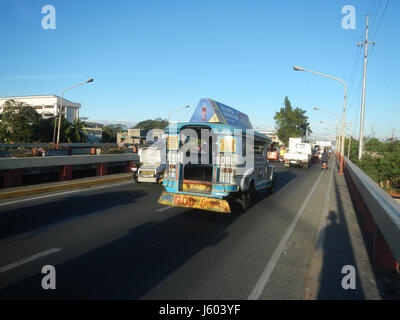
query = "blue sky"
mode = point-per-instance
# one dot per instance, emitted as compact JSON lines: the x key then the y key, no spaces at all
{"x":149,"y":57}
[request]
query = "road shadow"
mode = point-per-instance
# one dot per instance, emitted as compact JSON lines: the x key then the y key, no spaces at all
{"x":337,"y":253}
{"x":283,"y":178}
{"x":133,"y":265}
{"x":25,"y":219}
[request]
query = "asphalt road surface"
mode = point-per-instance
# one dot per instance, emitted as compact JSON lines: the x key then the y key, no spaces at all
{"x":117,"y":242}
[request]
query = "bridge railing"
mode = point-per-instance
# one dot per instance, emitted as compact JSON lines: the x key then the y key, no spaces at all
{"x":65,"y":149}
{"x":13,"y":170}
{"x":379,"y":216}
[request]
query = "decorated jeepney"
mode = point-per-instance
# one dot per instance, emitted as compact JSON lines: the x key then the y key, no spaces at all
{"x":215,"y":159}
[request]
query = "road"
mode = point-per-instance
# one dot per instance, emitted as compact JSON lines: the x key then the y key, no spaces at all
{"x":117,"y":242}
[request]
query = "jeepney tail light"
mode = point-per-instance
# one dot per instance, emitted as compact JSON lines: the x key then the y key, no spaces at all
{"x":172,"y":171}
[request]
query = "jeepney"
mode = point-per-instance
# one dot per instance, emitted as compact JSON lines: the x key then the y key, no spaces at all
{"x":215,"y":159}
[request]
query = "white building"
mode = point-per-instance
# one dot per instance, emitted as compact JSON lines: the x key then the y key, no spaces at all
{"x":273,"y":135}
{"x":48,"y":106}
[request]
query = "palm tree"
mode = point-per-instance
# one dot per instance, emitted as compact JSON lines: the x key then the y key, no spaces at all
{"x":75,"y":132}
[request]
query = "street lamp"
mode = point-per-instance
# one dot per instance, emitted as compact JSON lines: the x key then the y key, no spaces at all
{"x":177,"y":109}
{"x":338,"y":124}
{"x":297,"y":68}
{"x":61,"y":105}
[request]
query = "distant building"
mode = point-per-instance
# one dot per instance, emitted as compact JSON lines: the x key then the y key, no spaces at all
{"x":273,"y":135}
{"x":94,"y":130}
{"x":138,"y":136}
{"x":93,"y":134}
{"x":48,"y":106}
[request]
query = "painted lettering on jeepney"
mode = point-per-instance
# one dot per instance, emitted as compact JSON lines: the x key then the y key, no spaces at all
{"x":184,"y":201}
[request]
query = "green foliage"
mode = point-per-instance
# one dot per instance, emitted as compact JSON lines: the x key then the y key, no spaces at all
{"x":381,"y":162}
{"x":109,"y":134}
{"x":44,"y":130}
{"x":152,"y":124}
{"x":111,"y":150}
{"x":75,"y":133}
{"x":353,"y":149}
{"x":291,"y":122}
{"x":18,"y":122}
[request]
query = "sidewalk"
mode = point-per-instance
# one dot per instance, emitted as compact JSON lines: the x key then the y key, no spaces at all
{"x":8,"y":193}
{"x":340,"y":243}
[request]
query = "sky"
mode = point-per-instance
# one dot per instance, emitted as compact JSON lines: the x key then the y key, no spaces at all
{"x":150,"y":57}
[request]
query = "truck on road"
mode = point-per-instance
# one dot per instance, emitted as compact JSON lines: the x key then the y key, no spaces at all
{"x":299,"y":153}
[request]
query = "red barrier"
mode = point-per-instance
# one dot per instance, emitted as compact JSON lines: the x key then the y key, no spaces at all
{"x":12,"y":178}
{"x":381,"y":253}
{"x":101,"y":169}
{"x":65,"y":173}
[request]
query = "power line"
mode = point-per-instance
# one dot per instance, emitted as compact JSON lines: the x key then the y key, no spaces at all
{"x":379,"y":24}
{"x":381,"y":19}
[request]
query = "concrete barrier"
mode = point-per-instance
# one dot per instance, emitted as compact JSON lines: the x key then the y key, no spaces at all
{"x":12,"y":168}
{"x":37,"y":162}
{"x":380,"y":216}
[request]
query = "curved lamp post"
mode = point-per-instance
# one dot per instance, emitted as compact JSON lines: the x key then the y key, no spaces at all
{"x":177,"y":109}
{"x":297,"y":68}
{"x":61,"y":105}
{"x":337,"y":124}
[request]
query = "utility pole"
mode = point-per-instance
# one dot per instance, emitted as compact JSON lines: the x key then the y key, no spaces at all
{"x":365,"y":44}
{"x":350,"y":137}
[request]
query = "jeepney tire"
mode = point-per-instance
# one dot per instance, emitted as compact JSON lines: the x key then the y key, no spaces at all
{"x":247,"y":198}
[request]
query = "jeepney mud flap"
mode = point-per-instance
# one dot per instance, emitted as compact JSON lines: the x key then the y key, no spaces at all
{"x":195,"y":202}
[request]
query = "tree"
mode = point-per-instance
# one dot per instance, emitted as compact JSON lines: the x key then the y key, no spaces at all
{"x":18,"y":122}
{"x":152,"y":124}
{"x":109,"y":134}
{"x":44,"y":130}
{"x":291,"y":122}
{"x":353,"y":148}
{"x":75,"y":133}
{"x":381,"y":162}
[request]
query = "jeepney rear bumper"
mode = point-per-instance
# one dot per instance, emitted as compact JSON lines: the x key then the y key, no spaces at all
{"x":194,"y":202}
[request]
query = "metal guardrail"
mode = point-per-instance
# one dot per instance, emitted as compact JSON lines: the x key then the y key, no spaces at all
{"x":37,"y":162}
{"x":383,"y":208}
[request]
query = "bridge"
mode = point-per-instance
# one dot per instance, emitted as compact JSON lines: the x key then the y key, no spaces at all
{"x":114,"y":241}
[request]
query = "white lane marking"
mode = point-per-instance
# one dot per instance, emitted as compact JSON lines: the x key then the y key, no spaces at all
{"x":63,"y":193}
{"x":29,"y":259}
{"x":262,"y":281}
{"x":164,"y":209}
